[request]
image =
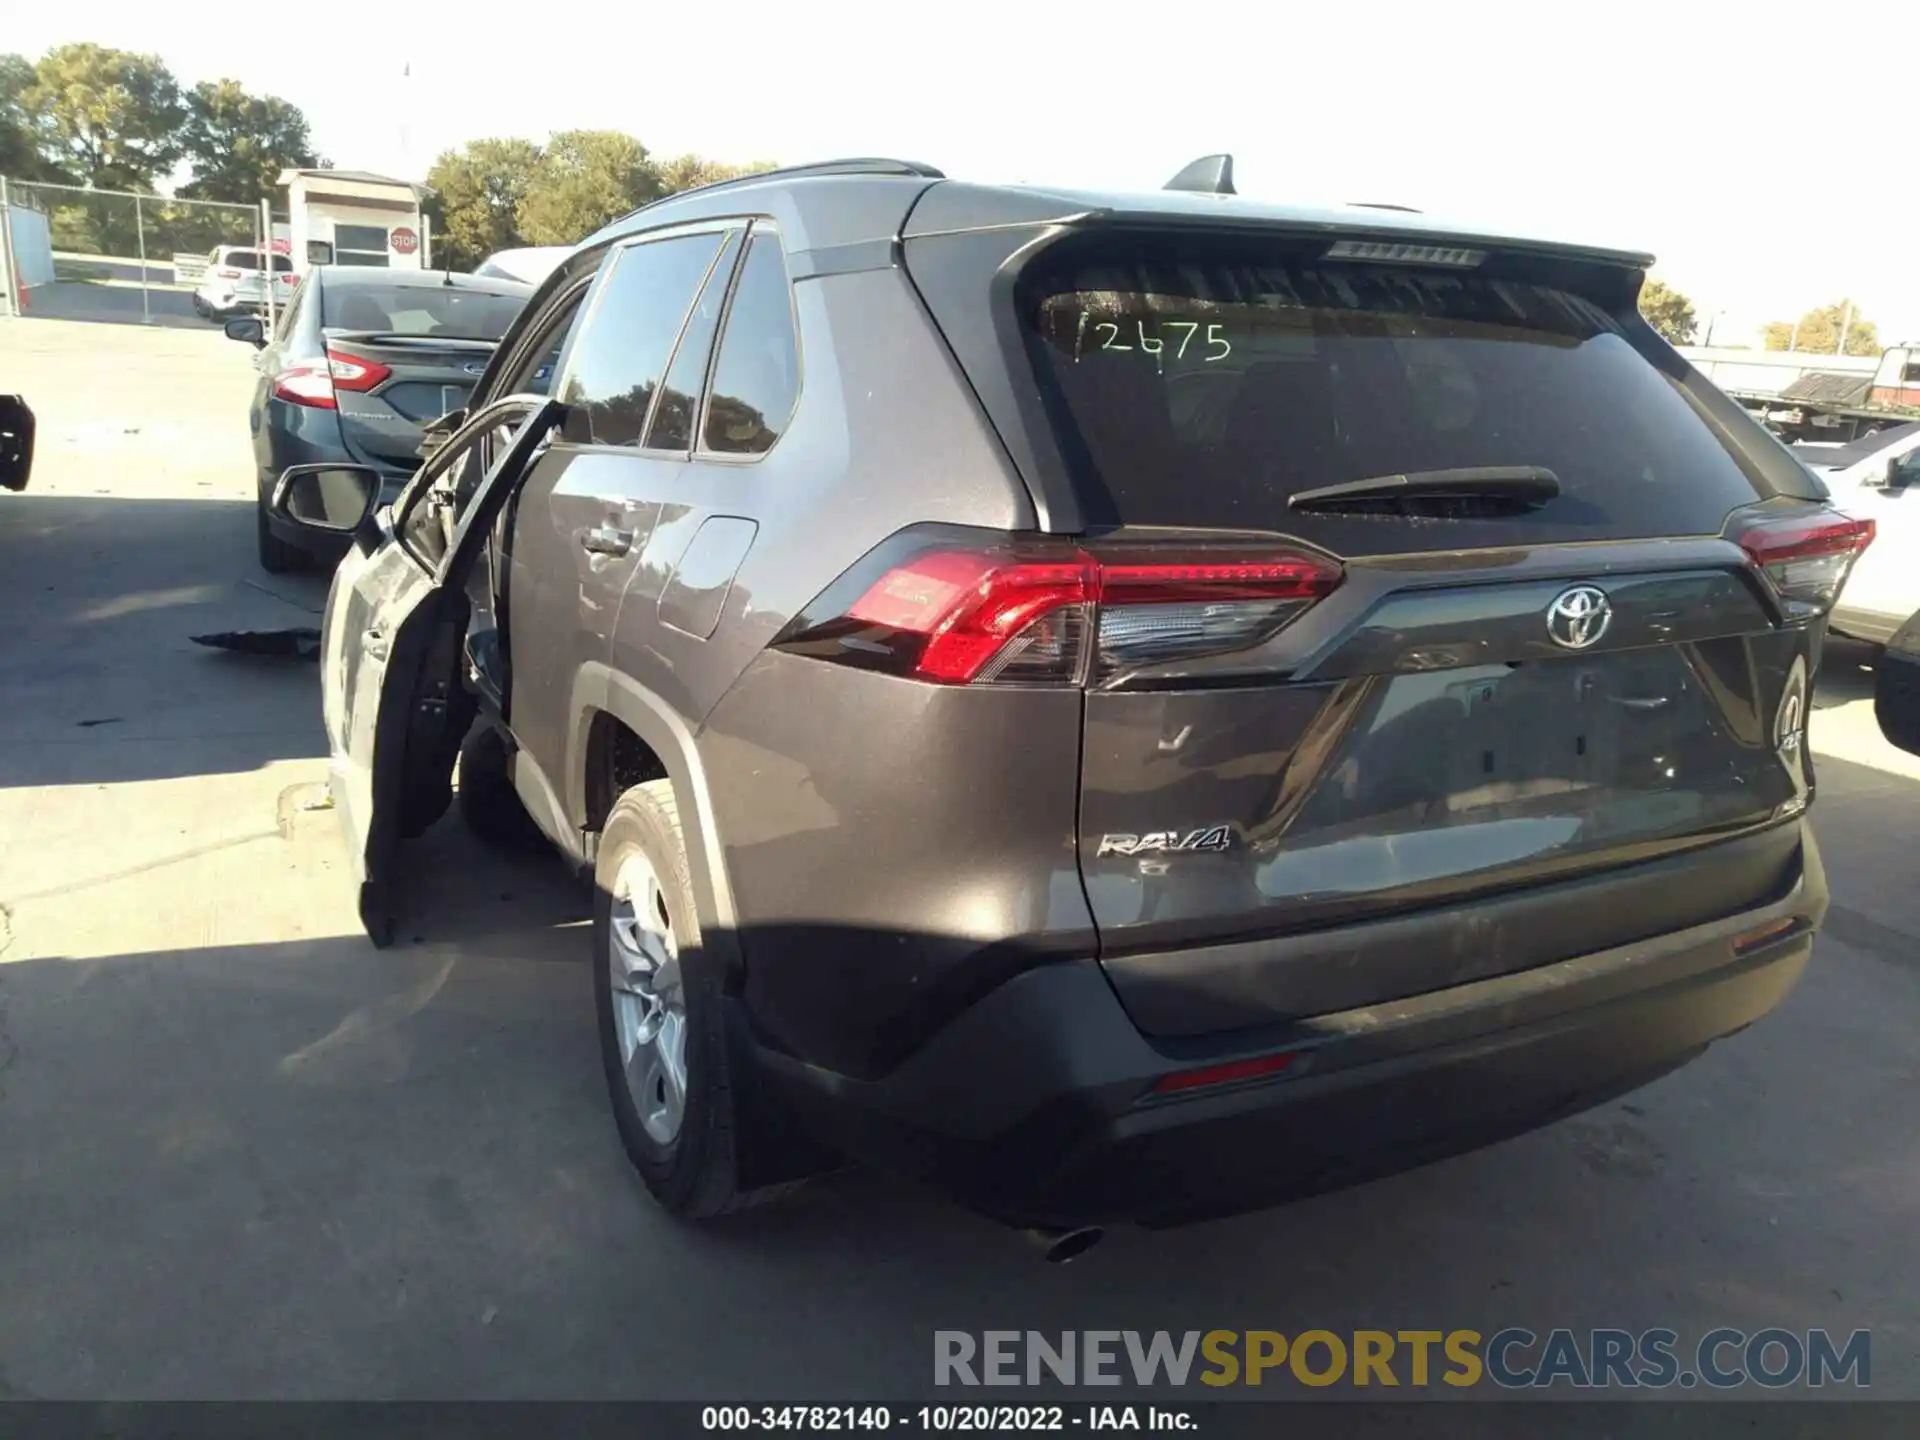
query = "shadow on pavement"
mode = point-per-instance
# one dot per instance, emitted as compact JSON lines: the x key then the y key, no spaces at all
{"x":103,"y":682}
{"x":1846,"y":673}
{"x":113,"y":304}
{"x":313,"y":1169}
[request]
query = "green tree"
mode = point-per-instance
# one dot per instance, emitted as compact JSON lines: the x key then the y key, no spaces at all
{"x":585,"y":178}
{"x":477,"y":193}
{"x":24,"y":134}
{"x":113,"y":117}
{"x":239,"y":143}
{"x":1668,"y":311}
{"x":1818,"y":332}
{"x":687,"y":172}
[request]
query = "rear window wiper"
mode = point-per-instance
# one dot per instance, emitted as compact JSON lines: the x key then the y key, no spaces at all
{"x":1517,"y":487}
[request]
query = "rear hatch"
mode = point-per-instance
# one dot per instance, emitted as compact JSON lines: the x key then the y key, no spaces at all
{"x":403,"y":356}
{"x":1440,"y":610}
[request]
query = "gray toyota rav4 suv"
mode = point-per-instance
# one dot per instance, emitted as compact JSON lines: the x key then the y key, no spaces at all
{"x":1124,"y":706}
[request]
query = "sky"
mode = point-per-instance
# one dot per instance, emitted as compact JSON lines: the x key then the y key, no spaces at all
{"x":1763,"y":153}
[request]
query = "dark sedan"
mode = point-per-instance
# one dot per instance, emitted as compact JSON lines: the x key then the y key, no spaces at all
{"x":360,"y":361}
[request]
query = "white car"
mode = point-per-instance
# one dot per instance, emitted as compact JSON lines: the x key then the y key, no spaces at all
{"x":1876,"y":478}
{"x":235,"y":284}
{"x":529,"y":265}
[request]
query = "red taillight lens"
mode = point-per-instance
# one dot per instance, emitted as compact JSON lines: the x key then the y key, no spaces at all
{"x":306,"y":382}
{"x":354,"y":372}
{"x":228,"y":274}
{"x":1806,"y":557}
{"x":969,"y":607}
{"x":1048,"y":612}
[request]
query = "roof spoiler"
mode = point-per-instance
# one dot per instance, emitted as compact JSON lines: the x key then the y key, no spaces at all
{"x":1209,"y":175}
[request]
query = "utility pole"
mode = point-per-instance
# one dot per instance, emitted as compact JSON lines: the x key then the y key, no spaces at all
{"x":140,"y":234}
{"x":1846,"y":323}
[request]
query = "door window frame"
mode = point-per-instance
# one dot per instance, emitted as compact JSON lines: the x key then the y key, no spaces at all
{"x":760,"y":226}
{"x":589,"y":312}
{"x":472,"y":436}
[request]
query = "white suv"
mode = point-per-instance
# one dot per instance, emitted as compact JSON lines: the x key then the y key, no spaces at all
{"x":1877,"y":478}
{"x":234,"y":283}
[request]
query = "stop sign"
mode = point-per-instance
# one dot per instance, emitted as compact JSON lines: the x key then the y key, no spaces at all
{"x":404,"y":241}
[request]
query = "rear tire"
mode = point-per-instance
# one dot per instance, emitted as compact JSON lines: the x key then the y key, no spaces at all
{"x":489,"y":805}
{"x":687,"y":1154}
{"x":277,"y":557}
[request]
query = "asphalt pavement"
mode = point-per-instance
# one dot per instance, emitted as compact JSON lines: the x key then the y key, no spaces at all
{"x":243,"y":1154}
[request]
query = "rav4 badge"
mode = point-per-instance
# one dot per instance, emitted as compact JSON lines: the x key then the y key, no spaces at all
{"x":1159,"y":842}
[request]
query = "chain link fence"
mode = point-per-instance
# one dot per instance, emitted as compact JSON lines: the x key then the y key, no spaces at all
{"x":70,"y":253}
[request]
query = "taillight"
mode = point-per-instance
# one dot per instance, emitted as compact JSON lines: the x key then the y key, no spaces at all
{"x":1806,"y":557}
{"x":1040,"y":611}
{"x":228,"y":274}
{"x":306,"y":382}
{"x":354,"y":372}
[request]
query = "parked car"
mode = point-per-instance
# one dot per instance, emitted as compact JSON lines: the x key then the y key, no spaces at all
{"x":1896,"y":687}
{"x":16,"y":442}
{"x":360,"y":361}
{"x":1127,"y":707}
{"x":1876,"y":477}
{"x":530,"y":265}
{"x":235,"y":283}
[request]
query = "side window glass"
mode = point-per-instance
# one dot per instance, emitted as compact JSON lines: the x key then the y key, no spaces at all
{"x":539,"y":377}
{"x":618,"y":360}
{"x":757,"y":377}
{"x":672,"y":427}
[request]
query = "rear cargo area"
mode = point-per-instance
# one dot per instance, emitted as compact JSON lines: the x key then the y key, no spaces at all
{"x":1551,"y":704}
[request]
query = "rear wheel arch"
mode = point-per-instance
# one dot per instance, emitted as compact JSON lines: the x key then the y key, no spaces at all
{"x":625,"y":736}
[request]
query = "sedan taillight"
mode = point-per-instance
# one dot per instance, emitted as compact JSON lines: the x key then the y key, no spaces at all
{"x":1038,"y":611}
{"x":354,"y":372}
{"x":306,"y":382}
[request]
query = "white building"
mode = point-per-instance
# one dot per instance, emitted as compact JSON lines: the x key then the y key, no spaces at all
{"x":349,"y":217}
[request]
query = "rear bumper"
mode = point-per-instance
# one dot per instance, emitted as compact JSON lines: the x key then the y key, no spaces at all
{"x":1035,"y":1105}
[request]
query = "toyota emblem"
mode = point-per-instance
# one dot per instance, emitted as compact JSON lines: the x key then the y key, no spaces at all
{"x":1577,"y":618}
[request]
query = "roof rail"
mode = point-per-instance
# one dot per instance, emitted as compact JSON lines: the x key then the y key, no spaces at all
{"x":859,"y":165}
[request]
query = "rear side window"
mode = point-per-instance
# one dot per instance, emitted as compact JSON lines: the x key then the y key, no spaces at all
{"x":618,"y":359}
{"x":242,"y":260}
{"x":673,"y":417}
{"x":756,"y":379}
{"x":1203,"y":382}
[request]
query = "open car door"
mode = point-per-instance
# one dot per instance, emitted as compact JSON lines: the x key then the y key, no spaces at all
{"x":394,"y":637}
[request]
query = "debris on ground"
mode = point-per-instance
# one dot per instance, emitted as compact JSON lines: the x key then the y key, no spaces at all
{"x":296,"y":644}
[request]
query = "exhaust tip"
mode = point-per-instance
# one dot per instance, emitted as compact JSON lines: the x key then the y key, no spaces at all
{"x":1059,"y":1247}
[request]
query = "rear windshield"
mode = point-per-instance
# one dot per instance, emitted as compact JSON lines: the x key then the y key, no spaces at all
{"x":1207,"y":381}
{"x":443,"y":312}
